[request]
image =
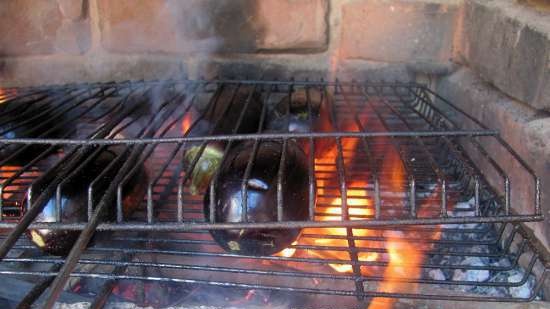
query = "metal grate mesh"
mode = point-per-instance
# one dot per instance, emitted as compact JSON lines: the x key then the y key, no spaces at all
{"x":394,"y":168}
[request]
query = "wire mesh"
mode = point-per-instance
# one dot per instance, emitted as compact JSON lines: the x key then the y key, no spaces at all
{"x":387,"y":167}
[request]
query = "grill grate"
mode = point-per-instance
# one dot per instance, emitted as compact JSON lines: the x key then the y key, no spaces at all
{"x":364,"y":203}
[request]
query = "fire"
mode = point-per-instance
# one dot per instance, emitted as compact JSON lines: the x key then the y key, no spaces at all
{"x":288,"y":252}
{"x":404,"y":261}
{"x":403,"y":258}
{"x":186,"y":122}
{"x":5,"y":94}
{"x":359,"y":207}
{"x":7,"y":172}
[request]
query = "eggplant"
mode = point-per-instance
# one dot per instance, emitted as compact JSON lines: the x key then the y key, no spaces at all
{"x":261,"y":204}
{"x":215,"y":122}
{"x":74,"y":201}
{"x":292,"y":114}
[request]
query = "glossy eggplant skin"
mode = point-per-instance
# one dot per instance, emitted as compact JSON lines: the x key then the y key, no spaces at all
{"x":292,"y":114}
{"x":218,"y":123}
{"x":225,"y":123}
{"x":261,"y":197}
{"x":74,"y":201}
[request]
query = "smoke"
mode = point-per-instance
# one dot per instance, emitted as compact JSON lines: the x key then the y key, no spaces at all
{"x":195,"y":27}
{"x":122,"y":39}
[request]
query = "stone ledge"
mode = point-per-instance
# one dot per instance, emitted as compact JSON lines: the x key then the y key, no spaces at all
{"x":100,"y":66}
{"x":524,"y":128}
{"x":59,"y":69}
{"x":509,"y":45}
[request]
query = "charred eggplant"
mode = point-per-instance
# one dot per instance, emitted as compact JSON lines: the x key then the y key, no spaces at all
{"x":261,"y":204}
{"x":221,"y":118}
{"x":74,"y":201}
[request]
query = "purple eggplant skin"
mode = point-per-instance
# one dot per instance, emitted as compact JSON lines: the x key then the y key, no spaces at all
{"x":261,"y":197}
{"x":292,"y":114}
{"x":215,"y":122}
{"x":74,"y":204}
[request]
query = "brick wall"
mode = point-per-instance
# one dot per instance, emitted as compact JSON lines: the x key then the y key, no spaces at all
{"x":60,"y":40}
{"x":65,"y":40}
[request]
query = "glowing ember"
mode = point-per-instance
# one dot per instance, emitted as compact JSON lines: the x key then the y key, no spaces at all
{"x":252,"y":296}
{"x":150,"y":294}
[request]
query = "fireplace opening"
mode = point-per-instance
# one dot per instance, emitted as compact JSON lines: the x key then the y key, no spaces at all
{"x":275,"y":153}
{"x":400,"y":202}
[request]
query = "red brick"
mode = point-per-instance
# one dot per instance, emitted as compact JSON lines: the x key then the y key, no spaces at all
{"x":171,"y":26}
{"x":153,"y":25}
{"x":72,"y":9}
{"x":73,"y":37}
{"x":521,"y":126}
{"x":288,"y":24}
{"x":398,"y":31}
{"x":28,"y":26}
{"x":509,"y":46}
{"x":36,"y":27}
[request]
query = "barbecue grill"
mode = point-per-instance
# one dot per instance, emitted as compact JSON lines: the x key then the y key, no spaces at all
{"x":402,"y":171}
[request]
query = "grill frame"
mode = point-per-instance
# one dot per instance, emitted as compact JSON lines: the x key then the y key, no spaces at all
{"x":426,"y":107}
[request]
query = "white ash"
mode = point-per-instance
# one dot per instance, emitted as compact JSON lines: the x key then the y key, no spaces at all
{"x":463,"y":209}
{"x":477,"y":275}
{"x":425,"y":190}
{"x":466,"y":255}
{"x":125,"y":305}
{"x":522,"y":291}
{"x":133,"y":306}
{"x":437,"y":274}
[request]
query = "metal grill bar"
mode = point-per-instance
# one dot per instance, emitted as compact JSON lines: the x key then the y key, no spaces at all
{"x":387,"y":117}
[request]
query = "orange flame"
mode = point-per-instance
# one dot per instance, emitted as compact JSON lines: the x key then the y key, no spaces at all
{"x":404,"y":258}
{"x":186,"y":122}
{"x":5,"y":94}
{"x":7,"y":172}
{"x":288,"y":252}
{"x":359,"y":207}
{"x":404,"y":261}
